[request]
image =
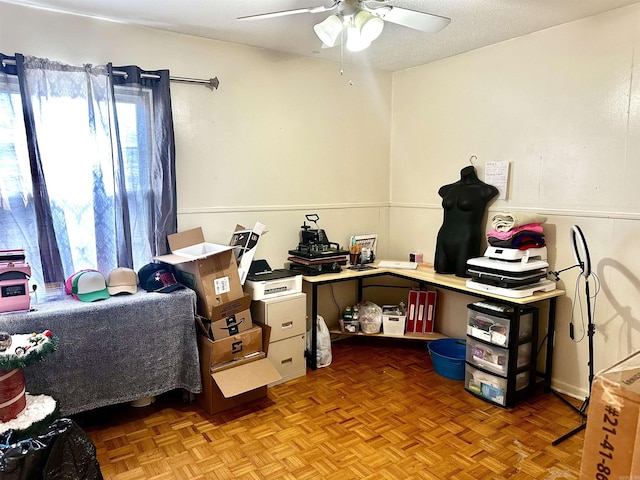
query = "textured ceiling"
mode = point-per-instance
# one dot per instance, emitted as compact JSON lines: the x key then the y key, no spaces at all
{"x":474,"y":24}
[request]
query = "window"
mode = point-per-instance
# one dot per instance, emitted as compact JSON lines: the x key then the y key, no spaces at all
{"x":76,"y":157}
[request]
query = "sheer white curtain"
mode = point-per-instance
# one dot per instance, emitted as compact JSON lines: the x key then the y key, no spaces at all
{"x":83,"y":161}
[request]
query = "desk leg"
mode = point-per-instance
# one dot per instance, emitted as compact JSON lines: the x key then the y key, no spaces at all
{"x":313,"y":361}
{"x":551,"y":330}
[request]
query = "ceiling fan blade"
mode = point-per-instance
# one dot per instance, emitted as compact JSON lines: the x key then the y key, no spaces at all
{"x":282,"y":13}
{"x":425,"y":22}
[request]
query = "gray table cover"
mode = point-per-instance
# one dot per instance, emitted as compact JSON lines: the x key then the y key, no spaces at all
{"x":112,"y":351}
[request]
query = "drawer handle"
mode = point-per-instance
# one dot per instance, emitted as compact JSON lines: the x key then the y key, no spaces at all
{"x":287,"y":325}
{"x":286,"y":360}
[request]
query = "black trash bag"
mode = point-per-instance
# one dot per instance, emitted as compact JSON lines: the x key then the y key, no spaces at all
{"x":64,"y":452}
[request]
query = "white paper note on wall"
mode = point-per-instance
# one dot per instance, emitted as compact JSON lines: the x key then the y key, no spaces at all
{"x":497,"y":174}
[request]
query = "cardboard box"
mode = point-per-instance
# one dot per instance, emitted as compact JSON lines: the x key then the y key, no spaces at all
{"x":239,"y":361}
{"x":231,"y":318}
{"x":233,"y":347}
{"x":225,"y":388}
{"x":229,"y":308}
{"x":232,"y":325}
{"x":245,"y":243}
{"x":209,"y":269}
{"x":612,"y":438}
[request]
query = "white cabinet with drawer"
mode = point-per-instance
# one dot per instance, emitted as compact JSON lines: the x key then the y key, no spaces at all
{"x":286,"y":315}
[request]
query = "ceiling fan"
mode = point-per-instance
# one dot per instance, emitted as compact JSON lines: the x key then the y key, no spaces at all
{"x":361,"y":21}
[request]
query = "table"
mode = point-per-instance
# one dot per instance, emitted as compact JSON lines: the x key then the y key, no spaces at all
{"x":426,"y":276}
{"x":112,"y":351}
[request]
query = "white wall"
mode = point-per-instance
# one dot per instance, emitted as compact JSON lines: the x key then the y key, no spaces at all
{"x":561,"y":106}
{"x":282,"y":136}
{"x":285,"y":136}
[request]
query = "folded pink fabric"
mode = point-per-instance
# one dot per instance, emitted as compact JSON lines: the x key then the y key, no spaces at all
{"x":531,"y":227}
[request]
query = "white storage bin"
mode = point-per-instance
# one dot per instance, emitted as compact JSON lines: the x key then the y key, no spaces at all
{"x":393,"y":324}
{"x":494,"y":328}
{"x":491,"y":387}
{"x":495,"y":359}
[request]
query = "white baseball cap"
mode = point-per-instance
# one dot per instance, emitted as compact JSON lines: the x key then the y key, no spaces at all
{"x":122,"y":280}
{"x":89,"y":286}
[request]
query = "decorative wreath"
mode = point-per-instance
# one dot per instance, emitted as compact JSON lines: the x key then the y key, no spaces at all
{"x":22,"y":350}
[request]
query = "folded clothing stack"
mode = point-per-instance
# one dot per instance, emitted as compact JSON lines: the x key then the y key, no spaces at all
{"x":520,"y":230}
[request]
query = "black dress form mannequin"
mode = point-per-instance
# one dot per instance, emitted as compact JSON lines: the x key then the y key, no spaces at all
{"x":459,"y":239}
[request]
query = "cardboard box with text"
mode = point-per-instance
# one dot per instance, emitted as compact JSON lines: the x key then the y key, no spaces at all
{"x":611,"y":449}
{"x":242,"y":380}
{"x":209,"y":269}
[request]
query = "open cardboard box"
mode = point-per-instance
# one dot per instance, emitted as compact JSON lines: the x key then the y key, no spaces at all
{"x":224,"y":388}
{"x":208,"y":268}
{"x":612,"y":437}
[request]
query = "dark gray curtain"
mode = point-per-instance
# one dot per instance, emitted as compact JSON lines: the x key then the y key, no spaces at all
{"x":162,"y":198}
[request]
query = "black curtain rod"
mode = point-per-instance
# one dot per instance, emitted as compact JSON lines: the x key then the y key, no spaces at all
{"x":211,"y":83}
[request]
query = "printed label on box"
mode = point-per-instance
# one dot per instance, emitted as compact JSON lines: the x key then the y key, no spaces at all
{"x":221,"y":285}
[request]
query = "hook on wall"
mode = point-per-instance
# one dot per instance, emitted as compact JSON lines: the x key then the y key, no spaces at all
{"x":471,"y":159}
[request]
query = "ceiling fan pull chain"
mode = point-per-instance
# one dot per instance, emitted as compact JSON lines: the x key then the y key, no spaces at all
{"x":342,"y":59}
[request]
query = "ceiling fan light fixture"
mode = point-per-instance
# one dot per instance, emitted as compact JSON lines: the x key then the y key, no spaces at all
{"x":370,"y":25}
{"x":329,"y":30}
{"x":355,"y":41}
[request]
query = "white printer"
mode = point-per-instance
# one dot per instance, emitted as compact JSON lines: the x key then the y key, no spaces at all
{"x":262,"y":282}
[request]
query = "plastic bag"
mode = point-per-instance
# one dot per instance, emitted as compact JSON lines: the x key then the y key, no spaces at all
{"x":370,"y":316}
{"x":323,"y":355}
{"x":63,"y":452}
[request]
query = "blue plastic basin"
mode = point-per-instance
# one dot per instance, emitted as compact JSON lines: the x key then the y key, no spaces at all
{"x":447,"y":356}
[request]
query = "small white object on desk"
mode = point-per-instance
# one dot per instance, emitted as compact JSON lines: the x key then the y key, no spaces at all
{"x":402,"y":265}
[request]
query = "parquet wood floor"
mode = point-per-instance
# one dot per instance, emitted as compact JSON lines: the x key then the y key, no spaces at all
{"x":379,"y":411}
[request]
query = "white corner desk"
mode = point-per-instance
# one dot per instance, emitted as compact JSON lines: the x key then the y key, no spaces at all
{"x":425,"y":276}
